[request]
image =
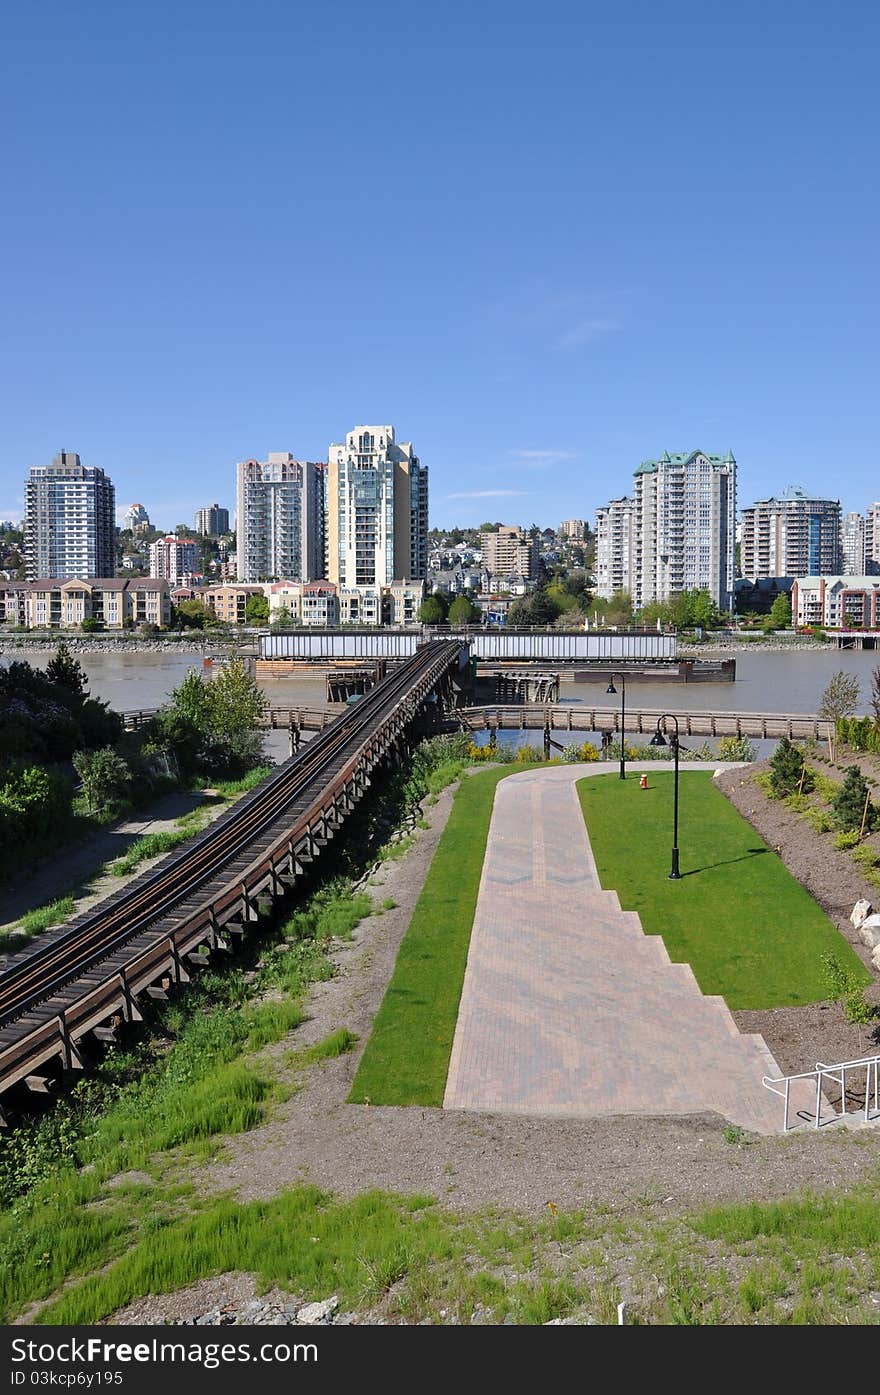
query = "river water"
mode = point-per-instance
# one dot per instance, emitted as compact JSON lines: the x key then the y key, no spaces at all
{"x":765,"y":682}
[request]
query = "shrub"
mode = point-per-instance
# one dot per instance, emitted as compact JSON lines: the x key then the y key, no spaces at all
{"x":849,"y":838}
{"x":819,"y":819}
{"x":736,"y":748}
{"x":574,"y":753}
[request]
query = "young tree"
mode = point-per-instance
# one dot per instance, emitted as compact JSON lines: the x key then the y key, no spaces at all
{"x":433,"y":609}
{"x":256,"y":610}
{"x":840,"y":697}
{"x":67,"y":673}
{"x":463,"y":612}
{"x":844,"y":987}
{"x":780,"y":612}
{"x":104,"y":774}
{"x":852,"y":804}
{"x":875,"y":695}
{"x":789,"y":771}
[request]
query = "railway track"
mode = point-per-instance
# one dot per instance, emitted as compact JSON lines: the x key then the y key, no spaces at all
{"x":141,"y":940}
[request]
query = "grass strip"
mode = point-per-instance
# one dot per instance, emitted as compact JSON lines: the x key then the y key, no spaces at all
{"x":407,"y":1056}
{"x":748,"y":929}
{"x":810,"y":1260}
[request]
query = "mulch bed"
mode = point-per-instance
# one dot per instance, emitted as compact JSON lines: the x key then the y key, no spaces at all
{"x":801,"y":1036}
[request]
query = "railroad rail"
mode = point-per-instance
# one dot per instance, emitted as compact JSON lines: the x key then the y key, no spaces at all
{"x":796,"y":726}
{"x":87,"y":976}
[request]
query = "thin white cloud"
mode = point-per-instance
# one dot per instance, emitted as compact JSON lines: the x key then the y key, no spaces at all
{"x":542,"y":455}
{"x":488,"y":494}
{"x":585,"y":331}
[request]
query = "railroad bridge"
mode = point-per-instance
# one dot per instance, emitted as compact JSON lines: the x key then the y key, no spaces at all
{"x":81,"y":983}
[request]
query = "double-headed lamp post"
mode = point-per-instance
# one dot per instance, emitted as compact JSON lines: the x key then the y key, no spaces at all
{"x":611,"y":689}
{"x":658,"y":739}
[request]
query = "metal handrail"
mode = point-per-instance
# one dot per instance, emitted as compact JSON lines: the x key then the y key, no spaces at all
{"x":869,"y":1064}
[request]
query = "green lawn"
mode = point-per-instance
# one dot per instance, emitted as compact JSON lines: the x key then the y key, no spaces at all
{"x":407,"y":1056}
{"x":749,"y":930}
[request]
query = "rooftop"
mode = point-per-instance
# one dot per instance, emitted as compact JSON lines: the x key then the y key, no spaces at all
{"x":648,"y":467}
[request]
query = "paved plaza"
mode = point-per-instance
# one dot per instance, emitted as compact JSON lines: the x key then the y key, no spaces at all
{"x":568,"y":1007}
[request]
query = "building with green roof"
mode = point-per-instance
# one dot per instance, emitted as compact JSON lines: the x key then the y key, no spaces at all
{"x":684,"y":529}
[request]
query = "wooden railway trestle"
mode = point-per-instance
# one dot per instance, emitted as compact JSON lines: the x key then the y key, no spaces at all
{"x":149,"y":965}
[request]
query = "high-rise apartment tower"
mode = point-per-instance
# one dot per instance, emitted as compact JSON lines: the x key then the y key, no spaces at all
{"x":212,"y":521}
{"x":377,"y":510}
{"x":684,"y":518}
{"x":70,"y":519}
{"x":794,"y":535}
{"x":614,"y":548}
{"x":280,"y":520}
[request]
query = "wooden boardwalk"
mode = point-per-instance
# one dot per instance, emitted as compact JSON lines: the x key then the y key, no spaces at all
{"x":796,"y":726}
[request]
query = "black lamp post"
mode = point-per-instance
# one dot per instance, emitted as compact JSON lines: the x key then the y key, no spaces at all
{"x":611,"y":689}
{"x":658,"y":739}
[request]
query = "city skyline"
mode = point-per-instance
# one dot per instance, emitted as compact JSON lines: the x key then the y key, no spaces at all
{"x":589,"y":258}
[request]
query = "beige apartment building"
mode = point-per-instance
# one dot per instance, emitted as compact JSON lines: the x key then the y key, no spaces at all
{"x":114,"y":602}
{"x":509,"y":551}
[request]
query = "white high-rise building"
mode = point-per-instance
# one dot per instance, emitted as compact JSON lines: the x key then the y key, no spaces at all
{"x":70,"y":521}
{"x":794,"y":535}
{"x":684,"y":519}
{"x":614,"y":548}
{"x":377,"y":511}
{"x":872,"y":538}
{"x":173,"y":558}
{"x":280,"y":519}
{"x":136,"y":519}
{"x":852,"y":544}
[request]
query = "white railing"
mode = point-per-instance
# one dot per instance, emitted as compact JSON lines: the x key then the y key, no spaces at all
{"x":837,"y":1073}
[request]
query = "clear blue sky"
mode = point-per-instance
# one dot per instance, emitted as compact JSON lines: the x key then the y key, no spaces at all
{"x":546,"y":241}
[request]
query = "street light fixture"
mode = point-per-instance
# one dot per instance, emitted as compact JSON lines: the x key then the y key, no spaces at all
{"x":658,"y":739}
{"x":611,"y":689}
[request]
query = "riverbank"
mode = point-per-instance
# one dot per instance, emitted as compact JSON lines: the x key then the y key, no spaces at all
{"x":124,"y":643}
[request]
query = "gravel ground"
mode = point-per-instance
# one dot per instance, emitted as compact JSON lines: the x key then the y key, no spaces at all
{"x":74,"y":872}
{"x":801,"y":1036}
{"x":473,"y":1160}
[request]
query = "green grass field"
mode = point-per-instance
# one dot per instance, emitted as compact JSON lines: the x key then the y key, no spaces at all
{"x":407,"y":1056}
{"x":749,"y":930}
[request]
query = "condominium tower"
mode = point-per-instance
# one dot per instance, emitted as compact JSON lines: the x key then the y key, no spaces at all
{"x":70,"y":519}
{"x":280,"y":522}
{"x":172,"y":558}
{"x":509,"y":551}
{"x":684,"y":518}
{"x":852,"y":544}
{"x":614,"y":548}
{"x":377,"y":510}
{"x":794,"y":535}
{"x":212,"y":521}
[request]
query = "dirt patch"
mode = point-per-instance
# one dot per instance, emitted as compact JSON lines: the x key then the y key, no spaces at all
{"x":800,"y":1036}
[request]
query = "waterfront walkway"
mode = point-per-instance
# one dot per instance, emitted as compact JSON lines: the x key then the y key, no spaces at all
{"x":568,"y":1008}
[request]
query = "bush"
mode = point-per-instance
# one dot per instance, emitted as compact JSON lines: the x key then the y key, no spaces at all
{"x":819,"y":819}
{"x":849,"y":838}
{"x":585,"y":752}
{"x":735,"y":748}
{"x":859,"y":733}
{"x":105,"y":777}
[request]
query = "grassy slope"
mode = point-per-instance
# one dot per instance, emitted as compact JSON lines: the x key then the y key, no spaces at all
{"x":407,"y":1056}
{"x":747,"y":928}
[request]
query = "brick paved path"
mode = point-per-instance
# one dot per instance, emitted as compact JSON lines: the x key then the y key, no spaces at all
{"x":567,"y":1006}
